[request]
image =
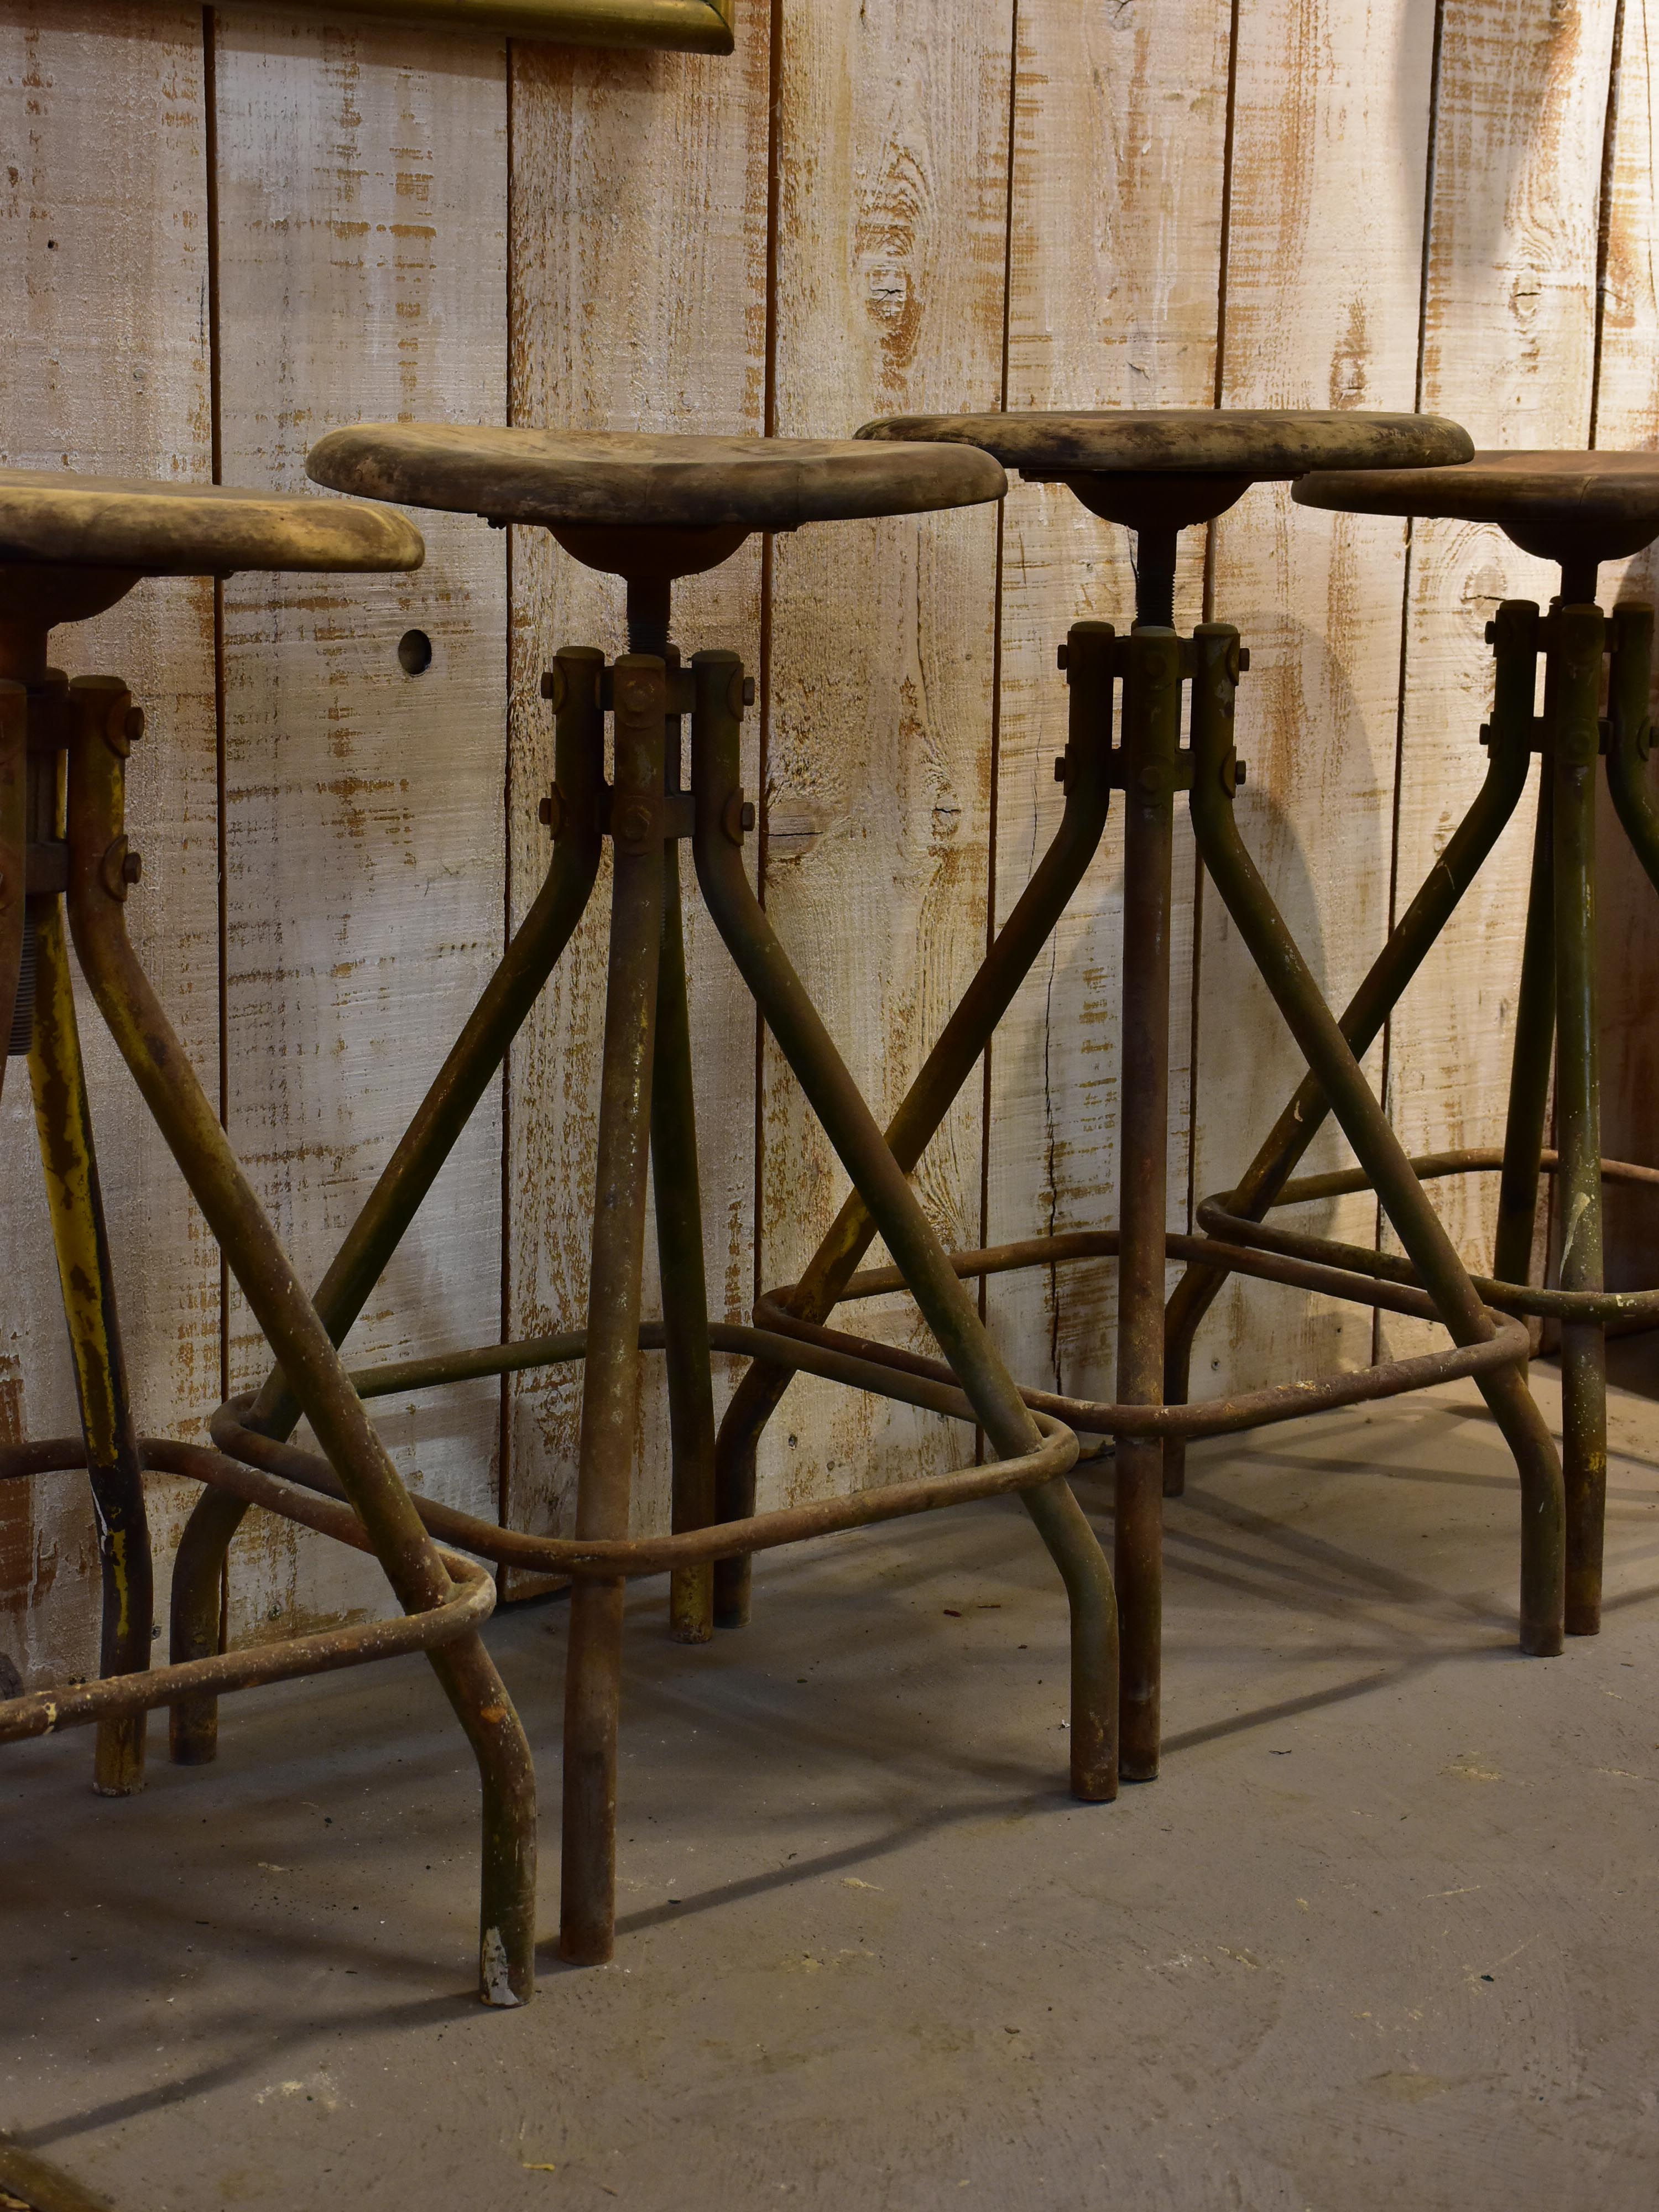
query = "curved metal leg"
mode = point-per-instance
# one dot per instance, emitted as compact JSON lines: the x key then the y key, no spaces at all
{"x":610,"y":1380}
{"x":97,"y":890}
{"x":1086,"y":770}
{"x":13,"y":850}
{"x":1575,"y":740}
{"x":468,"y":1069}
{"x":944,"y":1303}
{"x":1515,"y":639}
{"x":1342,"y":1081}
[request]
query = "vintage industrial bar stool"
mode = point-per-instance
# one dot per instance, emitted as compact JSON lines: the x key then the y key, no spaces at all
{"x":650,"y":509}
{"x":71,"y":547}
{"x":1579,"y":509}
{"x":1159,"y":472}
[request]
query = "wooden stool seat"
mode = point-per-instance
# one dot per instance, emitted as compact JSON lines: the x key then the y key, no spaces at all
{"x":1117,"y":460}
{"x":1566,"y":507}
{"x":50,"y":517}
{"x":637,"y":481}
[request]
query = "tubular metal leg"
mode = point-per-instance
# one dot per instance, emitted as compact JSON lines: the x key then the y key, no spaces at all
{"x":1366,"y":1126}
{"x":97,"y":889}
{"x":1515,"y":638}
{"x":680,"y":1262}
{"x":63,"y":1122}
{"x":1151,"y":740}
{"x":944,"y":1303}
{"x":1530,"y":1065}
{"x":573,"y":684}
{"x":610,"y":1388}
{"x":1085,"y":772}
{"x":1575,"y":738}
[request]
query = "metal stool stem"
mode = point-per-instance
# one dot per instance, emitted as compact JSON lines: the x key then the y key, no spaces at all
{"x":945,"y":1305}
{"x":1085,"y":771}
{"x":678,"y":1192}
{"x":1508,"y":764}
{"x":99,"y":709}
{"x":1151,"y":741}
{"x":468,"y":1069}
{"x":611,"y":1381}
{"x":1575,"y":741}
{"x":1332,"y":1063}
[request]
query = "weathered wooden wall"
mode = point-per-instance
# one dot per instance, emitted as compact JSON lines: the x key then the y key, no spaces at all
{"x":228,"y":230}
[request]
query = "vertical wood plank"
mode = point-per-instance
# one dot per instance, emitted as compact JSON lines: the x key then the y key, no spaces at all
{"x":639,"y":291}
{"x":362,"y":228}
{"x":1119,"y":147}
{"x":1627,"y":416}
{"x":894,"y":143}
{"x":1508,"y":348}
{"x":1322,"y":283}
{"x":105,"y":369}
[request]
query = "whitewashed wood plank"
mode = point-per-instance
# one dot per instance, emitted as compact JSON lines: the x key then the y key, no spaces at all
{"x":639,"y":286}
{"x":1508,"y":348}
{"x":105,"y":369}
{"x":363,"y":271}
{"x":1119,"y":147}
{"x":894,"y":144}
{"x":1330,"y":146}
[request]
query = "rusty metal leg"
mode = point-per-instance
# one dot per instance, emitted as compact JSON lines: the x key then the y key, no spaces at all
{"x":1366,"y":1126}
{"x":63,"y":1121}
{"x":573,"y":686}
{"x":99,"y":709}
{"x":1574,"y":738}
{"x":1514,"y":636}
{"x":610,"y":1381}
{"x":1085,"y":771}
{"x":680,"y":1260}
{"x":1151,"y":740}
{"x":944,"y":1303}
{"x":1530,"y":1063}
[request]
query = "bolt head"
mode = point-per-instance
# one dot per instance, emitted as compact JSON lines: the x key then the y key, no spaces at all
{"x":553,"y":687}
{"x":132,"y":867}
{"x":135,"y":725}
{"x":1060,"y":769}
{"x":1062,"y":656}
{"x":636,"y":694}
{"x":544,"y":812}
{"x":748,"y":691}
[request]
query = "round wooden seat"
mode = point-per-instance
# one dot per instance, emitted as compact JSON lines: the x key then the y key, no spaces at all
{"x":190,"y":529}
{"x":1119,"y":460}
{"x":1566,"y":507}
{"x":632,"y":480}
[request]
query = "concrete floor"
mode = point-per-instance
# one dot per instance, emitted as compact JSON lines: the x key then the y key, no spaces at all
{"x":1384,"y":1933}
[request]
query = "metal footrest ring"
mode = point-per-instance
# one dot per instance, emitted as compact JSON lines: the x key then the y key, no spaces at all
{"x":1629,"y":1308}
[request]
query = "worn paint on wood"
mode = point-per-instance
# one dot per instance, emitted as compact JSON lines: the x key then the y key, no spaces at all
{"x":104,"y":367}
{"x":363,"y":273}
{"x":1115,"y":269}
{"x":639,"y":286}
{"x":893,"y":151}
{"x":1508,"y":349}
{"x":1329,"y":144}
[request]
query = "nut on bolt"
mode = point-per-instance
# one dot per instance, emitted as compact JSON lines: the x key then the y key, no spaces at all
{"x":737,"y":816}
{"x":553,"y":687}
{"x":119,"y":869}
{"x":551,"y":810}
